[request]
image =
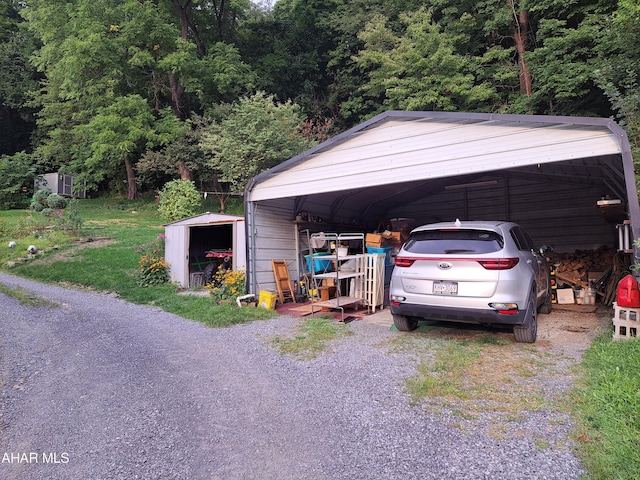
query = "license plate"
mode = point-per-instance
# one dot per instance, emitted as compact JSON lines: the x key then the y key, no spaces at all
{"x":445,"y":288}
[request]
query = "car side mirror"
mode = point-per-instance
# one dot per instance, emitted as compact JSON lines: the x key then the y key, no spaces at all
{"x":544,"y":249}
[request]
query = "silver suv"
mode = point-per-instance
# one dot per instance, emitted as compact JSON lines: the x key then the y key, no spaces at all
{"x":473,"y":272}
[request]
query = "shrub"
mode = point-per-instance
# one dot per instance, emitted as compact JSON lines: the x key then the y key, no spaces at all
{"x":70,"y":219}
{"x":39,"y":200}
{"x":56,"y":202}
{"x":178,"y":199}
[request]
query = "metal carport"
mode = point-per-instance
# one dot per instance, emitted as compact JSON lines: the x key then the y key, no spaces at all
{"x":544,"y":172}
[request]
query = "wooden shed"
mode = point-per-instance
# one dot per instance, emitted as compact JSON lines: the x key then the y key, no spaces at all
{"x":569,"y":181}
{"x":210,"y":238}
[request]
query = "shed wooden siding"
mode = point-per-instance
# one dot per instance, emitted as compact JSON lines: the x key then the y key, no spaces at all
{"x":398,"y":151}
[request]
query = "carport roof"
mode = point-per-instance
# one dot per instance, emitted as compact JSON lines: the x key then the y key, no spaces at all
{"x":420,"y":149}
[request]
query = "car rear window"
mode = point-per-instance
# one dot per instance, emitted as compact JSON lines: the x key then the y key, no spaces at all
{"x":453,"y":242}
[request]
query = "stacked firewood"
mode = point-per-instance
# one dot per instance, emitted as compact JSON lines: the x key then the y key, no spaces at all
{"x":602,"y":269}
{"x":574,"y":268}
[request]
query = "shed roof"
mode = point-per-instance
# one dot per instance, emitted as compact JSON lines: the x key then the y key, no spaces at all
{"x":401,"y":153}
{"x":206,"y":219}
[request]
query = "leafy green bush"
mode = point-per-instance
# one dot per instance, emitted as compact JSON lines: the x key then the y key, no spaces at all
{"x":39,"y":199}
{"x":56,"y":202}
{"x":178,"y":199}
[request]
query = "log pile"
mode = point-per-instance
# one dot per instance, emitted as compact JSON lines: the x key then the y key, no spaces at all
{"x":602,"y":269}
{"x":574,"y":269}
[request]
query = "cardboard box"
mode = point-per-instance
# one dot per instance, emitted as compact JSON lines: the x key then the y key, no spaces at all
{"x":373,"y":240}
{"x":565,"y":296}
{"x":393,"y":237}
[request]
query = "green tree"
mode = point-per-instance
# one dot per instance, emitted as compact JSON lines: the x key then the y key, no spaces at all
{"x":117,"y":135}
{"x":178,"y":199}
{"x":419,"y":70}
{"x":95,"y":53}
{"x":619,"y":71}
{"x":17,"y":173}
{"x":253,"y":135}
{"x":17,"y":78}
{"x":567,"y":39}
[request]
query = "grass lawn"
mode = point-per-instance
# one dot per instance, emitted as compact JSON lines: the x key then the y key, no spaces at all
{"x":109,"y":262}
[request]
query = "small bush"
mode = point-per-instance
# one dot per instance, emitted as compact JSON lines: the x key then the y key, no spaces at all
{"x":178,"y":199}
{"x":39,"y":200}
{"x":70,"y":219}
{"x":56,"y":202}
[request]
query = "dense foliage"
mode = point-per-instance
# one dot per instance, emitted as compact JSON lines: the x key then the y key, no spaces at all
{"x":178,"y":199}
{"x":128,"y":94}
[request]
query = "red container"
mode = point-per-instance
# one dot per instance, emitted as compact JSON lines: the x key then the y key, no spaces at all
{"x":628,"y":292}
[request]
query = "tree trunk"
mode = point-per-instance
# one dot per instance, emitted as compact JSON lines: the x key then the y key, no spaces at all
{"x":186,"y":24}
{"x":177,"y":91}
{"x":185,"y":172}
{"x":520,"y":35}
{"x":132,"y":191}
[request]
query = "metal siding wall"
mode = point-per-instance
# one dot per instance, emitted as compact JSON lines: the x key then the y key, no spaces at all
{"x":563,"y":216}
{"x":273,"y":238}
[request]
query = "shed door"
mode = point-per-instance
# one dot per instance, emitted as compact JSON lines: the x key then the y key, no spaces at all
{"x":67,"y":185}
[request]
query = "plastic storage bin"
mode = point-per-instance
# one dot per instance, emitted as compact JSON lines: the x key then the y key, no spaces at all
{"x":318,"y":264}
{"x":386,"y":250}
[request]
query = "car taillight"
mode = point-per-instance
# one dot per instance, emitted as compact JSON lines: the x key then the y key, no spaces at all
{"x":404,"y":261}
{"x":499,"y":263}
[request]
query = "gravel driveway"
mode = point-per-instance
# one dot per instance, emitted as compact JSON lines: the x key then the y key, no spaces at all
{"x":97,"y":388}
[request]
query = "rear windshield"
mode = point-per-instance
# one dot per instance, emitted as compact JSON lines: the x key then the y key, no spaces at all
{"x":452,"y":242}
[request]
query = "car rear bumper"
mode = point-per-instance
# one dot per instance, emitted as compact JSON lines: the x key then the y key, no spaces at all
{"x":453,"y":314}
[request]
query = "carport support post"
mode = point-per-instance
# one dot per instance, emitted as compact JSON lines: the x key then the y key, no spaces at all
{"x":250,"y":232}
{"x":632,"y":192}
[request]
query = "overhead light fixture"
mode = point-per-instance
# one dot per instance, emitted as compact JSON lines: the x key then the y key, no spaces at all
{"x":608,"y":202}
{"x":484,"y":183}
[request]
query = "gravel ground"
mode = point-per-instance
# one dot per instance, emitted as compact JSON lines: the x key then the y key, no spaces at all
{"x":99,"y":388}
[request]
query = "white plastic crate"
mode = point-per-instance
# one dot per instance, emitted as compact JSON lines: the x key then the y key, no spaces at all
{"x":626,"y":322}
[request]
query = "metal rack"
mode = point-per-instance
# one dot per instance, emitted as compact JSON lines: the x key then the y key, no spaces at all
{"x":349,"y":282}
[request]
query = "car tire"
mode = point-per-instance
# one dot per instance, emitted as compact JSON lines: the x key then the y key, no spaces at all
{"x":404,"y":323}
{"x":528,"y":331}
